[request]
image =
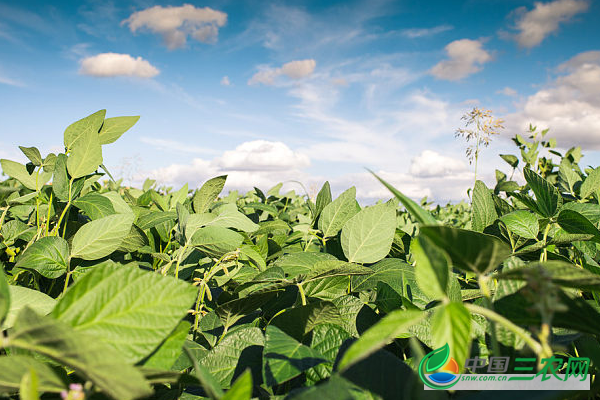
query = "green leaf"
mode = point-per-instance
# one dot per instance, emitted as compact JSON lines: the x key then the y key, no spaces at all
{"x":241,"y":389}
{"x":285,"y":358}
{"x":95,"y":205}
{"x":209,"y":383}
{"x":85,"y":155}
{"x":329,"y":268}
{"x":451,"y":324}
{"x":379,"y":335}
{"x":567,"y":176}
{"x":170,"y":349}
{"x":468,"y":250}
{"x":422,"y":216}
{"x":231,"y":311}
{"x":522,"y":223}
{"x":216,"y":241}
{"x":89,"y":124}
{"x":101,"y":237}
{"x":573,"y":222}
{"x":228,"y":216}
{"x":208,"y":193}
{"x":591,"y":184}
{"x":326,"y":339}
{"x":113,"y":128}
{"x":130,"y":309}
{"x":548,"y":198}
{"x":33,"y":154}
{"x":335,"y":214}
{"x":513,"y":161}
{"x":388,"y":270}
{"x":88,"y":356}
{"x":28,"y":389}
{"x":323,"y":199}
{"x":484,"y":211}
{"x":14,"y":367}
{"x":367,"y":237}
{"x":560,"y":272}
{"x":16,"y":170}
{"x":431,"y":268}
{"x":299,"y":321}
{"x":235,"y":352}
{"x":294,"y":264}
{"x":60,"y":181}
{"x":153,"y":218}
{"x":4,"y":296}
{"x":49,"y":256}
{"x":21,"y":297}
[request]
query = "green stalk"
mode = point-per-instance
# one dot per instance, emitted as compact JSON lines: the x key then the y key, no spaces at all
{"x":488,"y":303}
{"x":544,"y":255}
{"x":302,"y":294}
{"x":517,"y":330}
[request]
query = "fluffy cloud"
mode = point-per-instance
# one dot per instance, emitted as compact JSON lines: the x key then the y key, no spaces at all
{"x":294,"y":70}
{"x":431,"y":163}
{"x":414,"y":33}
{"x":261,"y":155}
{"x":175,"y":24}
{"x":225,"y":81}
{"x":465,"y":57}
{"x":508,"y":91}
{"x":535,"y":25}
{"x":569,"y":105}
{"x":113,"y":64}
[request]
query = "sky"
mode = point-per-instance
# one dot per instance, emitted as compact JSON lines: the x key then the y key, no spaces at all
{"x":274,"y":91}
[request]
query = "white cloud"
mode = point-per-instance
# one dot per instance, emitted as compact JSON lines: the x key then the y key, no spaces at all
{"x":175,"y":146}
{"x":431,"y":164}
{"x":569,"y":105}
{"x":11,"y":82}
{"x":508,"y":91}
{"x":535,"y":25}
{"x":225,"y":81}
{"x":465,"y":57}
{"x":113,"y":64}
{"x":261,"y":155}
{"x":175,"y":24}
{"x":294,"y":70}
{"x":414,"y":33}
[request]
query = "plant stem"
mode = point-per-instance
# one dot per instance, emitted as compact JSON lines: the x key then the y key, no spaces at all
{"x":488,"y":303}
{"x":517,"y":330}
{"x":544,"y":255}
{"x":66,"y":282}
{"x":302,"y":294}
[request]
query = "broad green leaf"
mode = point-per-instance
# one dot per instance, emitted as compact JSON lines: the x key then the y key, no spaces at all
{"x":132,"y":310}
{"x":422,"y":216}
{"x":231,"y":311}
{"x":301,"y":320}
{"x":33,"y":154}
{"x":89,"y":124}
{"x":16,"y":170}
{"x":101,"y":237}
{"x":179,"y":196}
{"x":4,"y":296}
{"x":235,"y":352}
{"x":49,"y":256}
{"x":338,"y":212}
{"x":560,"y":272}
{"x":120,"y":206}
{"x":21,"y":297}
{"x":216,"y":241}
{"x":591,"y":184}
{"x":367,"y":237}
{"x":14,"y":229}
{"x":89,"y":357}
{"x":60,"y":180}
{"x":484,"y":211}
{"x":208,"y":193}
{"x":228,"y":216}
{"x":326,"y":339}
{"x":468,"y":250}
{"x":589,"y":210}
{"x":379,"y":335}
{"x":285,"y":358}
{"x":522,"y":223}
{"x":170,"y":349}
{"x":241,"y":388}
{"x":431,"y":268}
{"x":335,"y":388}
{"x":567,"y":176}
{"x":49,"y":162}
{"x":153,"y":218}
{"x":135,"y":240}
{"x":451,"y":324}
{"x":295,"y":264}
{"x":573,"y":222}
{"x":329,"y":268}
{"x":388,"y":270}
{"x":209,"y":383}
{"x":13,"y":368}
{"x":113,"y":128}
{"x":85,"y":156}
{"x":95,"y":205}
{"x":323,"y":199}
{"x":548,"y":199}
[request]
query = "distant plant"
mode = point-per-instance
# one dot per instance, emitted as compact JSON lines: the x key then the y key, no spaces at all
{"x":479,"y":127}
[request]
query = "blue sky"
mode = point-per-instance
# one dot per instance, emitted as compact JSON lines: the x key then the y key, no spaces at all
{"x":307,"y":91}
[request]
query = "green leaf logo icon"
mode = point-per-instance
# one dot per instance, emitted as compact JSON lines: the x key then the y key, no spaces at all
{"x":437,"y":358}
